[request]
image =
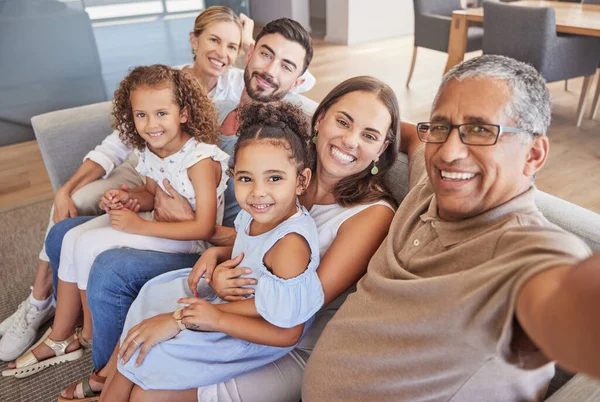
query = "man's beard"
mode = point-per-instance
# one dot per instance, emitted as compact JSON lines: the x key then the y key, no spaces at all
{"x":257,"y":93}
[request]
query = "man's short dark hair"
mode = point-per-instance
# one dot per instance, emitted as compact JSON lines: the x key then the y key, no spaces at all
{"x":293,"y":31}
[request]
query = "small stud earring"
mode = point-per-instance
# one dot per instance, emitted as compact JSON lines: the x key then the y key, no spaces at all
{"x":375,"y":169}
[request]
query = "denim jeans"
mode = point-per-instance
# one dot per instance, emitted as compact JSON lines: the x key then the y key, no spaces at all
{"x":115,"y":280}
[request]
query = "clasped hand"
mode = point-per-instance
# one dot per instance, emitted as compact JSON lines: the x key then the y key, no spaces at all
{"x":123,"y":209}
{"x":225,"y":279}
{"x":199,"y":315}
{"x":119,"y":198}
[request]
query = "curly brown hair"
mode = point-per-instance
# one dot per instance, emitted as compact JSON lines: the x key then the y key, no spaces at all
{"x":188,"y":93}
{"x":280,"y":123}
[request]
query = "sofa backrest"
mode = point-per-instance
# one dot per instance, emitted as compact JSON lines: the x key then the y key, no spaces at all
{"x":65,"y":136}
{"x":580,"y":221}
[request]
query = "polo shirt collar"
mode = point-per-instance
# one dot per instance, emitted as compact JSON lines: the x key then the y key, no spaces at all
{"x":451,"y":233}
{"x":222,"y":84}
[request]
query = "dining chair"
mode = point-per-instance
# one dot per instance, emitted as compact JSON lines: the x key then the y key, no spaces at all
{"x":596,"y":100}
{"x":432,"y":28}
{"x":529,"y":34}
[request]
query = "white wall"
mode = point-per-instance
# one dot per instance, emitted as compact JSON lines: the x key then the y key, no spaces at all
{"x":337,"y":21}
{"x":264,"y":11}
{"x":357,"y":21}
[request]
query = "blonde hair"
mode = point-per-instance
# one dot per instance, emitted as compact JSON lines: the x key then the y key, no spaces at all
{"x":216,"y":14}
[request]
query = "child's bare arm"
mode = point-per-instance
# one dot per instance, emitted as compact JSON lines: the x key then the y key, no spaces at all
{"x":205,"y":176}
{"x":289,"y":257}
{"x":144,"y":195}
{"x":200,"y":315}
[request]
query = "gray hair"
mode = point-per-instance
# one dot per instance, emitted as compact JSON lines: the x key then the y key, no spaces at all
{"x":530,"y":106}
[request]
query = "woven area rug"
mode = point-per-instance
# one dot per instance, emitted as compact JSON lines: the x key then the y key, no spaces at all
{"x":21,"y":234}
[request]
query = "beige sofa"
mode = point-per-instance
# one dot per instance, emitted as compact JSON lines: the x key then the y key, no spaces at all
{"x":65,"y":136}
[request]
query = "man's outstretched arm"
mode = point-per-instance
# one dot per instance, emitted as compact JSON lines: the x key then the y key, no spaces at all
{"x":559,"y":309}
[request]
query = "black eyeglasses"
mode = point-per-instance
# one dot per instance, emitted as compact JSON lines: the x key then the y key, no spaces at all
{"x":470,"y":133}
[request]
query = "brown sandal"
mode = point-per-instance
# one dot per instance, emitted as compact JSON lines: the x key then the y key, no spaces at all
{"x":89,"y":394}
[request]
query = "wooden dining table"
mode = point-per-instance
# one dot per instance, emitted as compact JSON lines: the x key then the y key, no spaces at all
{"x":571,"y":18}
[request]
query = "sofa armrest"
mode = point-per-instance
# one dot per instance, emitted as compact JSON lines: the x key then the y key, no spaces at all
{"x":575,"y":219}
{"x":66,"y":136}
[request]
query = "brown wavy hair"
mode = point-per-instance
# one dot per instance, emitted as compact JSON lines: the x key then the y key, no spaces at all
{"x":363,"y":187}
{"x":188,"y":93}
{"x":282,"y":124}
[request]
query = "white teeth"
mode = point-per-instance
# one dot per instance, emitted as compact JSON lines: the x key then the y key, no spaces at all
{"x":155,"y":134}
{"x":261,"y":206}
{"x":457,"y":175}
{"x":342,"y":156}
{"x":216,"y":62}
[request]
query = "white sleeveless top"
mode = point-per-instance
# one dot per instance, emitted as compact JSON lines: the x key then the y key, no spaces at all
{"x":329,"y":219}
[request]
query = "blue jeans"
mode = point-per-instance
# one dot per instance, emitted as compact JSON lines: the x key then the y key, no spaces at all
{"x":115,"y":280}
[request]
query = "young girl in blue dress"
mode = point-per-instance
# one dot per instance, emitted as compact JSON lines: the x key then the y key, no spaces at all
{"x":172,"y":340}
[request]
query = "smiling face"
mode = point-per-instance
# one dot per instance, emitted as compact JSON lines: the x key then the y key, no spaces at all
{"x":274,"y":66}
{"x":158,"y":119}
{"x":267,"y":183}
{"x":469,"y":180}
{"x":216,"y":47}
{"x":351,"y":134}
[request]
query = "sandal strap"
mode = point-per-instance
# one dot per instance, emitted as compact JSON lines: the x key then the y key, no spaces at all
{"x":27,"y":359}
{"x":87,"y":390}
{"x":70,"y":391}
{"x":59,"y":347}
{"x":97,"y":377}
{"x":82,"y":341}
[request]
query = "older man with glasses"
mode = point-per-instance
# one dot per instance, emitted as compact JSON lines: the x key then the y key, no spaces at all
{"x":473,"y":292}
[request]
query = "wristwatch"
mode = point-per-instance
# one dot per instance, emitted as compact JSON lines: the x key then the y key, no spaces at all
{"x":177,"y":316}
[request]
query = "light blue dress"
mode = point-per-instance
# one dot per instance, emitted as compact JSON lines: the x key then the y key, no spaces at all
{"x":194,"y":359}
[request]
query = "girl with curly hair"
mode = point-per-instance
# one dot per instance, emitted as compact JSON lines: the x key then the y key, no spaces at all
{"x":275,"y":236}
{"x":169,"y":119}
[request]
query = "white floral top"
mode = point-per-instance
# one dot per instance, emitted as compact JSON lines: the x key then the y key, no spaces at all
{"x":174,"y":168}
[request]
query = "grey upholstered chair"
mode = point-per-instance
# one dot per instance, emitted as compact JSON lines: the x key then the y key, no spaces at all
{"x":48,"y":61}
{"x":597,"y":93}
{"x":529,"y":34}
{"x":432,"y":28}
